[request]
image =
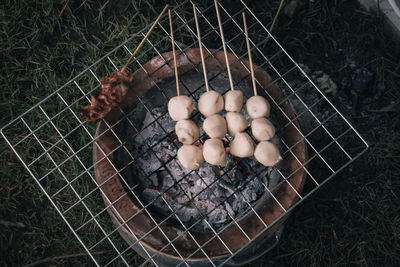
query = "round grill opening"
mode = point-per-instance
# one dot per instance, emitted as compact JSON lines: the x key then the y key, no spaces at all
{"x":178,"y":214}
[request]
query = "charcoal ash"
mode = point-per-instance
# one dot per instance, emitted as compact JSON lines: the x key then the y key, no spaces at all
{"x":211,"y":196}
{"x":164,"y":204}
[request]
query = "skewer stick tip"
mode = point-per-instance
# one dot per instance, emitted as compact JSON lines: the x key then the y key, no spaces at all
{"x":200,"y":48}
{"x":173,"y":53}
{"x":253,"y":80}
{"x":228,"y":69}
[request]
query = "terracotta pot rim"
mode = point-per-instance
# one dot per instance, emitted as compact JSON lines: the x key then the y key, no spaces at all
{"x":141,"y":224}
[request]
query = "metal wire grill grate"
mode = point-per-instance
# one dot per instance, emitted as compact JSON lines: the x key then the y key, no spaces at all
{"x":55,"y":145}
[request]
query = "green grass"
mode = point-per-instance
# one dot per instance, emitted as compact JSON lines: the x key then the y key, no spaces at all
{"x":352,"y":220}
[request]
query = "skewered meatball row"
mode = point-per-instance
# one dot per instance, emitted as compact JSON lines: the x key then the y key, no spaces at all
{"x":216,"y":127}
{"x":262,"y":129}
{"x":242,"y":146}
{"x":179,"y":109}
{"x":210,"y":103}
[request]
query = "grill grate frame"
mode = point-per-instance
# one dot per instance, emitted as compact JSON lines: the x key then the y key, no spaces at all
{"x":61,"y":166}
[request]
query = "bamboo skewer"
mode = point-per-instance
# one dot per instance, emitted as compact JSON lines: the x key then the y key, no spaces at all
{"x":201,"y":48}
{"x":144,"y":39}
{"x":224,"y":45}
{"x":173,"y":53}
{"x":253,"y":80}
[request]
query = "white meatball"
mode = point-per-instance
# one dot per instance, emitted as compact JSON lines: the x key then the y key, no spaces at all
{"x":262,"y":129}
{"x":215,"y":126}
{"x":242,"y":146}
{"x":257,"y":107}
{"x":214,"y":152}
{"x":210,"y":103}
{"x":187,"y":131}
{"x":180,"y":107}
{"x":267,"y":154}
{"x":233,"y":100}
{"x":236,"y":122}
{"x":190,"y":156}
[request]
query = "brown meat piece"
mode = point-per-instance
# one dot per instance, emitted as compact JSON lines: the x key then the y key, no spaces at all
{"x":112,"y":91}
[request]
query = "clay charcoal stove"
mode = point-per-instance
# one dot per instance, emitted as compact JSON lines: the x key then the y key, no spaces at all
{"x":190,"y":207}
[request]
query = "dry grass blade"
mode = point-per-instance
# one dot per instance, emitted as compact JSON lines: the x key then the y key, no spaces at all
{"x":63,"y":9}
{"x":276,"y":15}
{"x":12,"y":224}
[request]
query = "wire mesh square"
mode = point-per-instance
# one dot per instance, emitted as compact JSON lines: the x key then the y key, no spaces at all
{"x":56,"y":148}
